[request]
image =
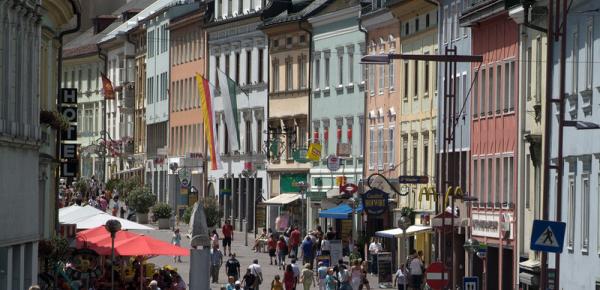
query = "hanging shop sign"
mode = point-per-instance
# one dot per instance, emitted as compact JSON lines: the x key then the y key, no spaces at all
{"x":68,"y":151}
{"x":375,"y":201}
{"x":333,"y":163}
{"x":412,"y":179}
{"x":314,"y":152}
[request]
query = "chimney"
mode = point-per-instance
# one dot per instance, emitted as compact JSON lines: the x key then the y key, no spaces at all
{"x":130,"y":14}
{"x":102,"y":22}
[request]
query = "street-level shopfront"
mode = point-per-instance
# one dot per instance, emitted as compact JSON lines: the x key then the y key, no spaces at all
{"x":286,"y":203}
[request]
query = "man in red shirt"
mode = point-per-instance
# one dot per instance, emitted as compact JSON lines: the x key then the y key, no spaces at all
{"x":295,"y":241}
{"x":227,"y":236}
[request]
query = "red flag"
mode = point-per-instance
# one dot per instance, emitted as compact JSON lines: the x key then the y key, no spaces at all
{"x":107,"y":87}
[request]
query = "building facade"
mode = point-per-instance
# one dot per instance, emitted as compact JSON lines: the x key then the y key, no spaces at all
{"x":581,"y":179}
{"x":186,"y":146}
{"x":28,"y":85}
{"x":239,"y":50}
{"x":494,"y":147}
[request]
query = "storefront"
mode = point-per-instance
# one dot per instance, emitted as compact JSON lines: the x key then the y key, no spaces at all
{"x":417,"y":237}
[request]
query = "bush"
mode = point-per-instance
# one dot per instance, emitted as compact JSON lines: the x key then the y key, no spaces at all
{"x":212,"y":210}
{"x":141,"y":200}
{"x":162,"y":210}
{"x":187,"y":214}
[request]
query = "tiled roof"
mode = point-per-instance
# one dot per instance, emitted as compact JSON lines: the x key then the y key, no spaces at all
{"x":307,"y":11}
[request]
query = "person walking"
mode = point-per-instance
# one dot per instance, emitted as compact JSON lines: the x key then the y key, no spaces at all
{"x":325,"y":246}
{"x":307,"y":277}
{"x":230,"y":283}
{"x":227,"y":236}
{"x":343,"y":278}
{"x":276,"y":284}
{"x":216,"y":260}
{"x":272,"y":248}
{"x":289,"y":281}
{"x":257,"y":272}
{"x":401,"y":280}
{"x":176,"y":240}
{"x":282,"y":251}
{"x":295,"y":269}
{"x":214,"y":238}
{"x":249,"y":280}
{"x":295,"y":241}
{"x":307,"y":251}
{"x":322,"y":273}
{"x":115,"y":205}
{"x":355,"y":275}
{"x":416,"y":272}
{"x":232,"y":267}
{"x":374,"y":249}
{"x":330,"y":280}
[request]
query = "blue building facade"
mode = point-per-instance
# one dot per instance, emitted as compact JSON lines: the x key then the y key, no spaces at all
{"x":580,"y":260}
{"x":337,"y":98}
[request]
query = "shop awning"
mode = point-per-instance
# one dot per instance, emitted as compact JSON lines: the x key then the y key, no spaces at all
{"x":341,"y":212}
{"x":397,"y":232}
{"x":282,"y":199}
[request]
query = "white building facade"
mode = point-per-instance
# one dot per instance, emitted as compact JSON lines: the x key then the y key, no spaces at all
{"x":239,"y":49}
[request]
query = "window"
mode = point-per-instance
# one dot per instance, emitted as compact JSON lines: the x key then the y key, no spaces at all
{"x":509,"y":171}
{"x":589,"y":56}
{"x":288,"y":74}
{"x":218,"y":65}
{"x":248,"y":67}
{"x":149,"y":90}
{"x":575,"y":63}
{"x":275,"y":74}
{"x":483,"y":91}
{"x":259,"y":135}
{"x":426,"y":72}
{"x":416,"y":75}
{"x":391,"y":76}
{"x":361,"y":135}
{"x":528,"y":80}
{"x":340,"y":67}
{"x":475,"y":188}
{"x":372,"y":143}
{"x":498,"y":88}
{"x":427,"y":20}
{"x":482,"y":178}
{"x":571,"y":213}
{"x":327,"y":83}
{"x":150,"y":43}
{"x":381,"y":78}
{"x":380,"y":147}
{"x":415,"y":154}
{"x":538,"y":70}
{"x":89,"y":80}
{"x":426,"y":156}
{"x":248,"y":137}
{"x":405,"y":154}
{"x":240,"y":6}
{"x":260,"y":65}
{"x":489,"y":180}
{"x":229,"y":7}
{"x":391,"y":152}
{"x":498,"y":175}
{"x":237,"y":68}
{"x":491,"y":88}
{"x":509,"y":86}
{"x":405,"y":84}
{"x":585,"y":211}
{"x":227,"y":66}
{"x":475,"y":97}
{"x":350,"y":67}
{"x":288,"y":41}
{"x":302,"y":73}
{"x":371,"y":74}
{"x":406,"y":28}
{"x":417,"y":24}
{"x":326,"y":138}
{"x":318,"y":73}
{"x":302,"y":38}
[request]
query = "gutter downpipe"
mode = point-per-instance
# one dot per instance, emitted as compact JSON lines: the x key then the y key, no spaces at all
{"x":77,"y":13}
{"x":309,"y":117}
{"x":364,"y":126}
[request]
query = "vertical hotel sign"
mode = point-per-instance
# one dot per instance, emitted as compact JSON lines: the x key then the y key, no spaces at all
{"x":68,"y":148}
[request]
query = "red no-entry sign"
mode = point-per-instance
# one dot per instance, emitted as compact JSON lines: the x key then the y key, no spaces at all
{"x":436,"y":276}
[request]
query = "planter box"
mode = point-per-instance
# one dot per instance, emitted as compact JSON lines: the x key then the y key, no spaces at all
{"x":163,"y":223}
{"x":142,"y":218}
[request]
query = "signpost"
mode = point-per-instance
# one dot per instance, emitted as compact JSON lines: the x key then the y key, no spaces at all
{"x":375,"y":201}
{"x":413,"y":179}
{"x":471,"y":283}
{"x":333,"y":163}
{"x":547,"y":236}
{"x":436,"y":276}
{"x":384,"y":269}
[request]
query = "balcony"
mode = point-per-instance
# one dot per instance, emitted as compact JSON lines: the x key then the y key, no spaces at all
{"x":372,"y":6}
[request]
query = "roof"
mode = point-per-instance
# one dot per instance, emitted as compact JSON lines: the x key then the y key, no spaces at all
{"x":156,"y":6}
{"x":85,"y":42}
{"x":296,"y":11}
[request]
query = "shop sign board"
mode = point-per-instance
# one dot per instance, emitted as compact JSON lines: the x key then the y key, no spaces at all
{"x":375,"y":201}
{"x":437,"y":276}
{"x":333,"y":163}
{"x":68,"y":151}
{"x":384,"y":269}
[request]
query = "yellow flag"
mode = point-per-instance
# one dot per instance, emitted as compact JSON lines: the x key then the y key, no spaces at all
{"x":314,"y":152}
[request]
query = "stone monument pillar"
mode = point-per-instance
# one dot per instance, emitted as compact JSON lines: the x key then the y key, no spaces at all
{"x":200,"y":252}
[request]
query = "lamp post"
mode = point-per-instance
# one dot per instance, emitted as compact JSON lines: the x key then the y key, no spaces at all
{"x":471,"y":246}
{"x":112,"y":226}
{"x":303,"y":186}
{"x":352,"y":202}
{"x":404,"y":223}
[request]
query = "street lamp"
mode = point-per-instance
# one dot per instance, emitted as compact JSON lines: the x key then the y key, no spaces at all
{"x":112,"y":226}
{"x":404,"y":223}
{"x":471,"y":246}
{"x":303,"y":187}
{"x":352,"y":203}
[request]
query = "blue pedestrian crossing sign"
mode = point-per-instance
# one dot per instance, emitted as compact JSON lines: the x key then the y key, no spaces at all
{"x":471,"y":283}
{"x":547,"y":236}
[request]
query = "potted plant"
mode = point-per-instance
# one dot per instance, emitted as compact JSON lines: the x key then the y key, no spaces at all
{"x":163,"y":213}
{"x":54,"y":120}
{"x":141,"y":200}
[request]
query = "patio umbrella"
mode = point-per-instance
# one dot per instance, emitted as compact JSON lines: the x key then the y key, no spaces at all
{"x":142,"y":245}
{"x":99,"y":236}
